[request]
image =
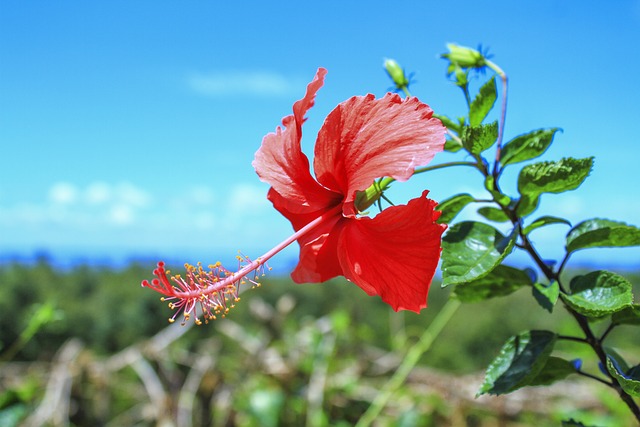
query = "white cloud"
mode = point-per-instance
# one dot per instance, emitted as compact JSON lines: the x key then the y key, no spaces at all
{"x":127,"y":193}
{"x":255,"y":83}
{"x":247,"y":198}
{"x":200,"y":195}
{"x":63,"y":193}
{"x":98,"y":193}
{"x":121,"y":214}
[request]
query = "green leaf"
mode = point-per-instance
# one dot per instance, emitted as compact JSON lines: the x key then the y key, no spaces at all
{"x":602,"y":233}
{"x":527,"y":146}
{"x":573,"y":423}
{"x":483,"y":103}
{"x":452,"y":207}
{"x":500,"y":198}
{"x":619,"y":369}
{"x":476,"y":139}
{"x":452,"y":145}
{"x":553,"y":177}
{"x":555,"y":369}
{"x":599,"y":293}
{"x":501,"y":281}
{"x":543,"y":221}
{"x":493,"y":214}
{"x":470,"y":250}
{"x":520,"y":361}
{"x":546,"y":295}
{"x":449,"y":123}
{"x":627,"y":316}
{"x":527,"y":205}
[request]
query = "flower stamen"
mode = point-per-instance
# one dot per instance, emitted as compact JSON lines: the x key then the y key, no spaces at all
{"x":206,"y":293}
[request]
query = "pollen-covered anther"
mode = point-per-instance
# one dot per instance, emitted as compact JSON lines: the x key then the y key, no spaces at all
{"x":203,"y":294}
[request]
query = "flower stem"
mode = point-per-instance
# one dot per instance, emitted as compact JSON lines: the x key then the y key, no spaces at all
{"x":256,"y":263}
{"x":409,"y":362}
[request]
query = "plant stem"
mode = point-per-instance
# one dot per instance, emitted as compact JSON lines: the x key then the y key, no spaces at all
{"x":503,"y":114}
{"x":590,"y":338}
{"x":409,"y":362}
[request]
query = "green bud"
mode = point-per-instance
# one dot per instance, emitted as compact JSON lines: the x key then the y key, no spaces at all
{"x":464,"y":57}
{"x":365,"y":199}
{"x":396,"y":73}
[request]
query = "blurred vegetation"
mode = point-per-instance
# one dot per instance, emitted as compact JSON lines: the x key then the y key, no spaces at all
{"x":286,"y":355}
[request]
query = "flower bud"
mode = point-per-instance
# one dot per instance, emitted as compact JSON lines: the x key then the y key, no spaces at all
{"x":396,"y":73}
{"x":464,"y":57}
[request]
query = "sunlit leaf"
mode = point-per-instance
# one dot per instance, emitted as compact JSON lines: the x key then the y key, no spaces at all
{"x":627,"y":378}
{"x":476,"y":139}
{"x":470,"y":250}
{"x":500,"y":198}
{"x":452,"y":145}
{"x":544,"y":221}
{"x":553,"y":177}
{"x":599,"y":293}
{"x":602,"y":233}
{"x":449,"y":123}
{"x":519,"y":362}
{"x":527,"y":146}
{"x":483,"y":103}
{"x":452,"y":206}
{"x":493,"y":214}
{"x":546,"y":295}
{"x":501,"y":281}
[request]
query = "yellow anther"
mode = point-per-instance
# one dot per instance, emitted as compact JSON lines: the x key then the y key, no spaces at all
{"x":171,"y":320}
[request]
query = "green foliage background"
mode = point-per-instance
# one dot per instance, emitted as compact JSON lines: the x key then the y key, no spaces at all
{"x":107,"y":312}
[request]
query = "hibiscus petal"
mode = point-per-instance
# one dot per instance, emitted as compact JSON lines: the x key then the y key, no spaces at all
{"x":318,"y":253}
{"x":394,"y":254}
{"x":281,"y":163}
{"x":365,"y":138}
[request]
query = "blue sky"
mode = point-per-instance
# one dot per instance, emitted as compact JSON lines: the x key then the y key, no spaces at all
{"x":128,"y":128}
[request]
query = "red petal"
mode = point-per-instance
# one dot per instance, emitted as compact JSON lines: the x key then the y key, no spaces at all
{"x":281,"y":162}
{"x":394,"y":254}
{"x":318,"y":253}
{"x":365,"y":138}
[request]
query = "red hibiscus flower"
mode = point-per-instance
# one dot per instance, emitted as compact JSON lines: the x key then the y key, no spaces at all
{"x":393,"y":255}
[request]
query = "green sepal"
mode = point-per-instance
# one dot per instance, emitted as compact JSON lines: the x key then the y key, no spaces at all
{"x":599,"y":293}
{"x":602,"y":233}
{"x":519,"y":362}
{"x":493,"y":214}
{"x":527,"y":146}
{"x":452,"y":206}
{"x":501,"y":281}
{"x":553,"y":177}
{"x":628,"y":379}
{"x":627,"y":316}
{"x":555,"y":369}
{"x":544,"y":221}
{"x":546,"y":295}
{"x":483,"y":103}
{"x":470,"y":250}
{"x":476,"y":139}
